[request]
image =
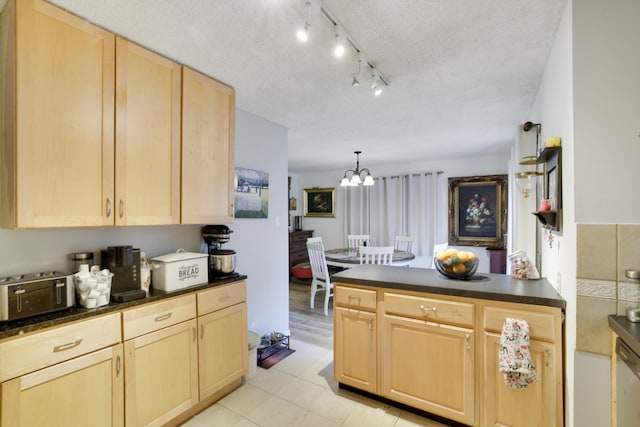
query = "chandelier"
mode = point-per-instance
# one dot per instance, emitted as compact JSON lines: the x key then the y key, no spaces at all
{"x":353,"y":178}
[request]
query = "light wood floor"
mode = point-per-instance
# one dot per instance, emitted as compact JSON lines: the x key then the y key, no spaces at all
{"x":306,"y":324}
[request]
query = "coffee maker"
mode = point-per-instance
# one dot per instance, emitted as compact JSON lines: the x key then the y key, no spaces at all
{"x":222,"y":262}
{"x":124,"y":263}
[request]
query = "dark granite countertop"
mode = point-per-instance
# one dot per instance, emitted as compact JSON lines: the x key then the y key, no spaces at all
{"x":497,"y":287}
{"x":628,"y":331}
{"x":22,"y":326}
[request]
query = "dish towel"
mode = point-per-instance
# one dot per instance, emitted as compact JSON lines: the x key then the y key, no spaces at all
{"x":514,"y":360}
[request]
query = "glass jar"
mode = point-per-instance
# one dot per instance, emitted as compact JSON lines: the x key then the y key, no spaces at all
{"x":522,"y":267}
{"x":78,"y":258}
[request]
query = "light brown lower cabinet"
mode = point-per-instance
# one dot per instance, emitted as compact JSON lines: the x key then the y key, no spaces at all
{"x":222,"y":342}
{"x":87,"y":390}
{"x":420,"y":349}
{"x":541,"y":403}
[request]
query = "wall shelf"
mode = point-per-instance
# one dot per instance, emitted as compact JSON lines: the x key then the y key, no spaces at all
{"x":551,"y":157}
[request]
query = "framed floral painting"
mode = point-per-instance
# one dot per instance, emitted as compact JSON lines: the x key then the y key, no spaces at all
{"x":478,"y":210}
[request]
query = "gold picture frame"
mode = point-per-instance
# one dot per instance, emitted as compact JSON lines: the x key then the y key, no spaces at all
{"x":319,"y":202}
{"x":478,"y":210}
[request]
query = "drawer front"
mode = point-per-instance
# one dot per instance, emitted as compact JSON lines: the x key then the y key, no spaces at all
{"x":31,"y":352}
{"x":345,"y":296}
{"x":222,"y":296}
{"x":543,"y":326}
{"x":299,"y":236}
{"x":433,"y":310}
{"x":154,"y":316}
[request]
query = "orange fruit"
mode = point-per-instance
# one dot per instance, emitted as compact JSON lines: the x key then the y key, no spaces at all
{"x":472,"y":256}
{"x":441,"y":256}
{"x":463,"y":255}
{"x":459,"y":269}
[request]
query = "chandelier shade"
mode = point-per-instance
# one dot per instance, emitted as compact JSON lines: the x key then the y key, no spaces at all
{"x":357,"y":176}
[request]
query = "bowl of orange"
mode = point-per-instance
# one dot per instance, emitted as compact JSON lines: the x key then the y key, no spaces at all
{"x":456,"y":264}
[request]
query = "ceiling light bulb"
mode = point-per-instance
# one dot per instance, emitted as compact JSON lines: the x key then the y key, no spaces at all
{"x":344,"y":182}
{"x":355,"y":179}
{"x":339,"y":49}
{"x":368,"y":180}
{"x":377,"y":90}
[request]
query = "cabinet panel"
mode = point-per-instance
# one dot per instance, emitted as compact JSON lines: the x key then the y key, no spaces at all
{"x":208,"y":165}
{"x":429,"y":366}
{"x":38,"y":350}
{"x":435,"y":310}
{"x":222,"y":348}
{"x":221,"y":296}
{"x":161,"y":375}
{"x":87,"y":390}
{"x":353,"y":297}
{"x":544,"y":322}
{"x":155,"y":316}
{"x":147,"y":137}
{"x":61,"y":168}
{"x":355,"y":348}
{"x":540,"y":404}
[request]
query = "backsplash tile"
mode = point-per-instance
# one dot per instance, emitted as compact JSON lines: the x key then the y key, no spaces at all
{"x":628,"y":249}
{"x":597,"y":251}
{"x":592,"y":328}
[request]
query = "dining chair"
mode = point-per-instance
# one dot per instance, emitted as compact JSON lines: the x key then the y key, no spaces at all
{"x":404,"y":243}
{"x":376,"y":255}
{"x":354,"y":241}
{"x":437,"y":248}
{"x":321,"y":278}
{"x":314,"y":239}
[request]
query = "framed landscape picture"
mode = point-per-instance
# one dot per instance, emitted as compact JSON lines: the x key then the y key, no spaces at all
{"x":478,"y":210}
{"x":320,"y":202}
{"x":252,"y":194}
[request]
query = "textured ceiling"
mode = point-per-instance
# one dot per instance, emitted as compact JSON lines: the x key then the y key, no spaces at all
{"x":463,"y":73}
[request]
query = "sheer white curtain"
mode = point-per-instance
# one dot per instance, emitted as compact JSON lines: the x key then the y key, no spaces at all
{"x":409,"y":205}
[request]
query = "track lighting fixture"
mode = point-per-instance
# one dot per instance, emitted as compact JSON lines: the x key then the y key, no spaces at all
{"x":339,"y":48}
{"x":376,"y":85}
{"x":342,"y":41}
{"x":303,"y":33}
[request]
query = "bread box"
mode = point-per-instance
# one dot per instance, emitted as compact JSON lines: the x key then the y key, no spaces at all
{"x":179,"y":270}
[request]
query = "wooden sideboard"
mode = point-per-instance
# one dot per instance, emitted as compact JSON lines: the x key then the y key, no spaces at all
{"x":298,"y":247}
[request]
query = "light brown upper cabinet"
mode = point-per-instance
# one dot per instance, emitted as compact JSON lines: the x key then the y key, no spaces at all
{"x":147,"y":137}
{"x":208,"y":123}
{"x":57,"y":118}
{"x":91,"y":129}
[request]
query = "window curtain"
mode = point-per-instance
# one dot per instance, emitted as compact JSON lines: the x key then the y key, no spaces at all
{"x":406,"y":205}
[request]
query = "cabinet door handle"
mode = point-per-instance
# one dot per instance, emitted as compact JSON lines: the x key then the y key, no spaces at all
{"x":67,"y":346}
{"x":121,"y":208}
{"x":117,"y":366}
{"x":549,"y":355}
{"x":371,"y":323}
{"x":467,"y":342}
{"x":161,"y":317}
{"x":195,"y":335}
{"x":433,"y":309}
{"x":108,"y":207}
{"x":202,"y":331}
{"x":356,"y":298}
{"x":224,"y":298}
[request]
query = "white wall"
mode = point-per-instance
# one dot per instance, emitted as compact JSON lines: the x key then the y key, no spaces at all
{"x":607,"y":88}
{"x":332,"y":229}
{"x":553,"y":108}
{"x":262,"y":245}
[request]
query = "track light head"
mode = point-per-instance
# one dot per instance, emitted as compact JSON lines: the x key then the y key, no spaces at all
{"x":303,"y":33}
{"x":354,"y":81}
{"x":339,"y":47}
{"x":376,"y":85}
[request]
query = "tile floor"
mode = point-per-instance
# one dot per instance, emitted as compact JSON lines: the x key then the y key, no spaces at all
{"x":300,"y":391}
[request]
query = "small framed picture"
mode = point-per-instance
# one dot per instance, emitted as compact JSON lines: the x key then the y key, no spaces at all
{"x":320,"y":202}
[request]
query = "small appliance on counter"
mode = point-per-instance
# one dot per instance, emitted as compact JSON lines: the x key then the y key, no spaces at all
{"x":222,"y":262}
{"x":124,"y":263}
{"x":26,"y":295}
{"x":178,"y":270}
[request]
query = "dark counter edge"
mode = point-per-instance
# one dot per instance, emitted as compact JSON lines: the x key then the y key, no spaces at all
{"x":628,"y":331}
{"x":71,"y":314}
{"x":495,"y":287}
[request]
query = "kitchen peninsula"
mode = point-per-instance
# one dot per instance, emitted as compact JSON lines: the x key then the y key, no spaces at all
{"x":412,"y":336}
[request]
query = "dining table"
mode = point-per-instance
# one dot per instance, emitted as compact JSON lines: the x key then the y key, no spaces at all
{"x":350,"y":257}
